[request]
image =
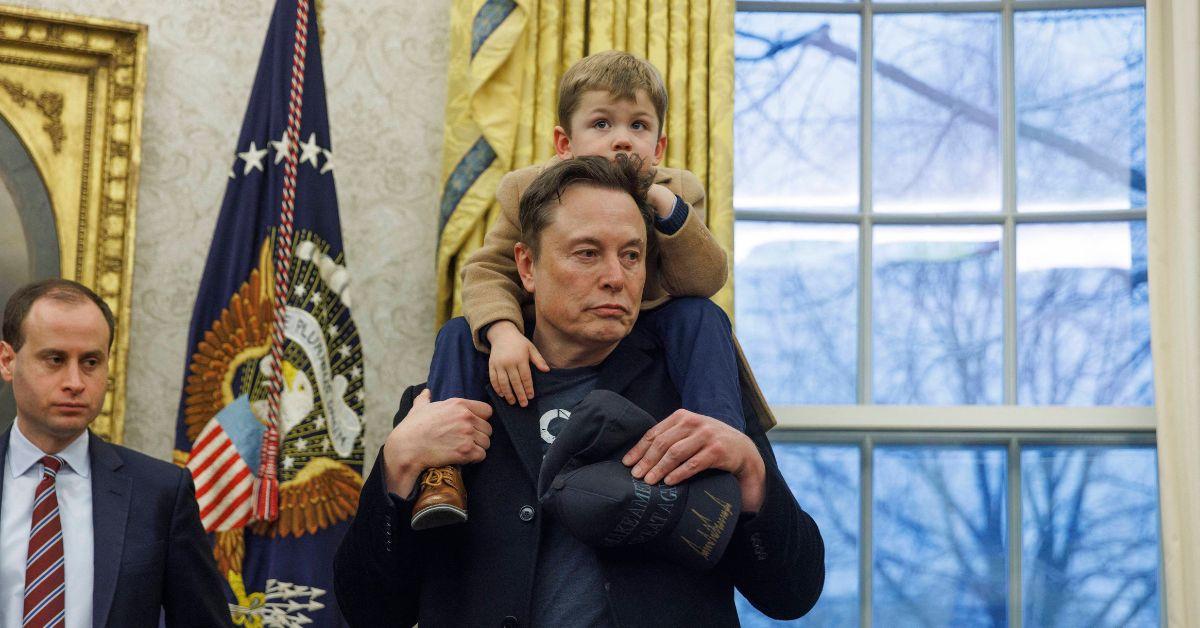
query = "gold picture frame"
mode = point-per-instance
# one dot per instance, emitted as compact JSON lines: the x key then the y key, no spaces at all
{"x":71,"y":88}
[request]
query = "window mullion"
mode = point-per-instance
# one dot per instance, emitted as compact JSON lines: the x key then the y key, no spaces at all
{"x":1015,"y":547}
{"x":865,"y":235}
{"x":866,"y":549}
{"x":1008,"y":134}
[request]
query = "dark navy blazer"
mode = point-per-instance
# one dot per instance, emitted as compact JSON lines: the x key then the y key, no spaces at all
{"x":481,"y":573}
{"x":152,"y":557}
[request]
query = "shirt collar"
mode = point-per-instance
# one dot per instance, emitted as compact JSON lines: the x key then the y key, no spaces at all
{"x":23,"y":454}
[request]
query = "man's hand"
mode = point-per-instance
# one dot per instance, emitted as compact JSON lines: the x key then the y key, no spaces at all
{"x":508,"y":363}
{"x":687,"y":443}
{"x":454,"y":431}
{"x":662,"y":199}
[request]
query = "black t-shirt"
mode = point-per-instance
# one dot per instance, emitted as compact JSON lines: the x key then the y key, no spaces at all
{"x":568,"y":587}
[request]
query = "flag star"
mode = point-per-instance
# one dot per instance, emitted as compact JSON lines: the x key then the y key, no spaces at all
{"x":299,"y":290}
{"x":232,"y":174}
{"x":288,"y":462}
{"x":281,"y":147}
{"x":345,"y":351}
{"x":359,"y":395}
{"x":328,"y":165}
{"x":356,"y":372}
{"x":333,"y":330}
{"x":253,"y":158}
{"x":316,"y":298}
{"x":325,"y":444}
{"x":309,"y":151}
{"x":301,"y":443}
{"x":320,"y":422}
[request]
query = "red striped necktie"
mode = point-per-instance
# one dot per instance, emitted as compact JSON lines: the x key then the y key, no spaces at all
{"x":45,"y":568}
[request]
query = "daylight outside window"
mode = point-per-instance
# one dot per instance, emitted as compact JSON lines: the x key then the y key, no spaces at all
{"x":940,"y":282}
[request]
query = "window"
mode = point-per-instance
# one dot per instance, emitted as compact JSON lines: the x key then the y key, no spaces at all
{"x":940,"y":281}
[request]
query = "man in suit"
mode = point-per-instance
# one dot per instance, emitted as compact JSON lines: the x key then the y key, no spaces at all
{"x":585,"y":235}
{"x":91,"y":534}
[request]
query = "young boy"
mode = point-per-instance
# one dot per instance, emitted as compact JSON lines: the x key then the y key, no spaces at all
{"x":609,"y":103}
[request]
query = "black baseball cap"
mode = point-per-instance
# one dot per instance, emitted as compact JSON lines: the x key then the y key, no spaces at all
{"x":587,"y":489}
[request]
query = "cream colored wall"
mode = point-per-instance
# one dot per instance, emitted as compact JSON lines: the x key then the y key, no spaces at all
{"x":385,"y":65}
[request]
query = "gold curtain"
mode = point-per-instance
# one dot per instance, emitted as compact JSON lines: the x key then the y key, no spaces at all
{"x":506,"y":58}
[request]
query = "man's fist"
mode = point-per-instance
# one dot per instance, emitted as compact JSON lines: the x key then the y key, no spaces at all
{"x":454,"y":431}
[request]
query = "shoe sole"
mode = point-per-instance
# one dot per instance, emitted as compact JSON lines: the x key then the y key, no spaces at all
{"x":437,"y":516}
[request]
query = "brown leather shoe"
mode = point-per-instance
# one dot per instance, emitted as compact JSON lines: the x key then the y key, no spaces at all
{"x":442,"y":501}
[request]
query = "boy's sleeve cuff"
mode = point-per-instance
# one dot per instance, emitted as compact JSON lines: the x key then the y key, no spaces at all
{"x":672,"y":223}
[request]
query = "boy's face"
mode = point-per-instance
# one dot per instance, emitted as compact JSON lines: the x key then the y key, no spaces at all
{"x":604,"y":126}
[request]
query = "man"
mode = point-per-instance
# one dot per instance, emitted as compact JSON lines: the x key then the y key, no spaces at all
{"x":91,"y":534}
{"x":582,"y":255}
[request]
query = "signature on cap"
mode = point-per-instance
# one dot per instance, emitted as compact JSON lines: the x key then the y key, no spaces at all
{"x":710,"y":531}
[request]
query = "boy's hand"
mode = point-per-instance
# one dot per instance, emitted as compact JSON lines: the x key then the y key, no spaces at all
{"x":508,"y":364}
{"x":662,"y":199}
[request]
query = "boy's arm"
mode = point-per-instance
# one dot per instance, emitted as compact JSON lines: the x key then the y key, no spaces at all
{"x":491,"y":289}
{"x":691,"y":263}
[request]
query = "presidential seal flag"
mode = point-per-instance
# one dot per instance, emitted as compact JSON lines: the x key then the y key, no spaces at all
{"x":270,"y":417}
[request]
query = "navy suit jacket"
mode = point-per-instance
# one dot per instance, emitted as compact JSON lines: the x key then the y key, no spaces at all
{"x":481,"y":572}
{"x":152,"y":556}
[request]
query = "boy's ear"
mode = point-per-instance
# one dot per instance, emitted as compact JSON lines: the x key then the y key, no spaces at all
{"x":660,"y":149}
{"x":524,"y":258}
{"x":562,"y":143}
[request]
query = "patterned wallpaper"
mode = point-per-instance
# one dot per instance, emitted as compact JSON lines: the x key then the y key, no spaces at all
{"x":385,"y":65}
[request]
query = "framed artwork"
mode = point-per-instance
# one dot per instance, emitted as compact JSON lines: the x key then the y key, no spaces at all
{"x":71,"y":94}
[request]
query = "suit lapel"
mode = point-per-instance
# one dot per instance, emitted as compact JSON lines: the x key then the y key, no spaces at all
{"x":111,"y":493}
{"x":521,"y":425}
{"x":626,"y":363}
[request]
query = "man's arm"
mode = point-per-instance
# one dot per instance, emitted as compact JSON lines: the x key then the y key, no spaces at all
{"x":376,"y":569}
{"x":194,"y":593}
{"x":776,"y":557}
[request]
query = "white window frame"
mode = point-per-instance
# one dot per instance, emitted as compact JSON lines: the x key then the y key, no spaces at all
{"x":1007,"y":416}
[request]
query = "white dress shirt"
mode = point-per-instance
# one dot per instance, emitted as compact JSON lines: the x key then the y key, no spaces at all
{"x":22,"y":473}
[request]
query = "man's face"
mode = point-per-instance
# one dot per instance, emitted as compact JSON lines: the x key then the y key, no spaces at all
{"x":60,"y":374}
{"x":605,"y":126}
{"x":589,"y":274}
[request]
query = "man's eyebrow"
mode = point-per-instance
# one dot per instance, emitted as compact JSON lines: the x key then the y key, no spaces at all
{"x":596,"y":241}
{"x":584,"y":240}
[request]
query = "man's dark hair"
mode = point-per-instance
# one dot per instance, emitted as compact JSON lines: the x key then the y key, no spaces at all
{"x":63,"y":290}
{"x":545,"y":193}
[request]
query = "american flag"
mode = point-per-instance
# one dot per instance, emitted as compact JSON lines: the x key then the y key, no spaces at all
{"x":222,"y":463}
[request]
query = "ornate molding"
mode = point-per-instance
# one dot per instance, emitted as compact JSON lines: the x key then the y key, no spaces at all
{"x":49,"y":103}
{"x":98,"y":120}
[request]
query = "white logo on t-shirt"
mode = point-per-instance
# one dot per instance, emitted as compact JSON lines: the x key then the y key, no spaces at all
{"x":552,"y":423}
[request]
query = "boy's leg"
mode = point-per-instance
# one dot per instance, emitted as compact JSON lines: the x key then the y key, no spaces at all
{"x":698,"y":342}
{"x":455,"y":370}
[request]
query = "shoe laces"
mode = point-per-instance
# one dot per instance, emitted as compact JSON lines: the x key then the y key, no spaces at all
{"x":439,"y":476}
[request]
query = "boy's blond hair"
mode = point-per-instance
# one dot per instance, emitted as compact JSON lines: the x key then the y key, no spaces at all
{"x":617,"y":72}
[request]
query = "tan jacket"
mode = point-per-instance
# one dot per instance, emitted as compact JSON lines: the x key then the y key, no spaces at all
{"x":689,"y":262}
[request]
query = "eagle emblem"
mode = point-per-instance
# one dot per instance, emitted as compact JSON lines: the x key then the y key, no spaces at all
{"x":321,"y":406}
